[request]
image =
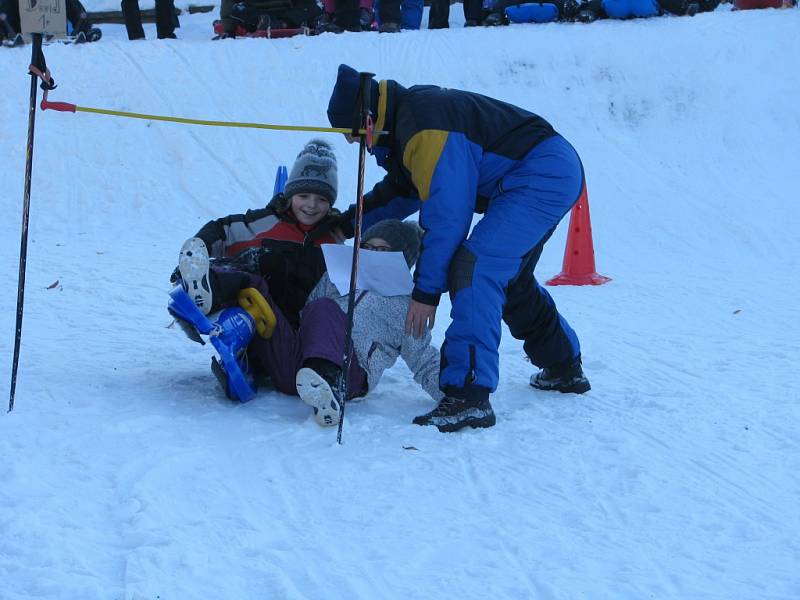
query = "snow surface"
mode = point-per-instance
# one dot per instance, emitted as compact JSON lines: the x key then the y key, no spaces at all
{"x":125,"y":473}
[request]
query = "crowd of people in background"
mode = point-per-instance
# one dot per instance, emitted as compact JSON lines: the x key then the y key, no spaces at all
{"x":268,"y":17}
{"x":244,"y":17}
{"x":277,"y":18}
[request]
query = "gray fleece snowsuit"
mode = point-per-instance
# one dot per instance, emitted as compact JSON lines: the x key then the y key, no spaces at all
{"x":379,"y":336}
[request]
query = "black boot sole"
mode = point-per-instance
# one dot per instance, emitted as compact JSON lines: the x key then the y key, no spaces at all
{"x":578,"y":387}
{"x":475,"y":423}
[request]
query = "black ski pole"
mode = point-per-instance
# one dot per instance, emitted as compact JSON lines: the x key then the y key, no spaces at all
{"x":36,"y":53}
{"x":365,"y":89}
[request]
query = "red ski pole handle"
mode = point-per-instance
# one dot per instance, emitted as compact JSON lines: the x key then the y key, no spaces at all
{"x":59,"y":106}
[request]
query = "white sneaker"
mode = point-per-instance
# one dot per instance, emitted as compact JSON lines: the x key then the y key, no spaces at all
{"x":193,"y":265}
{"x":317,"y":393}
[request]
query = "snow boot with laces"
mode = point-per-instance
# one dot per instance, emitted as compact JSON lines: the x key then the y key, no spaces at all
{"x":454,"y":413}
{"x":566,"y":378}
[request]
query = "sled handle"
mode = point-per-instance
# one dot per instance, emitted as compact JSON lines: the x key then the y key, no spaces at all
{"x":252,"y":301}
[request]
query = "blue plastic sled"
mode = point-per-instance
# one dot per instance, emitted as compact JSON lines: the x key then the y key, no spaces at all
{"x":231,"y":332}
{"x":281,"y":176}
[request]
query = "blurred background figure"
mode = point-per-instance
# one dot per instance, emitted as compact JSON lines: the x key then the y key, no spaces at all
{"x":246,"y":17}
{"x":166,"y":19}
{"x":439,"y":15}
{"x":346,"y":15}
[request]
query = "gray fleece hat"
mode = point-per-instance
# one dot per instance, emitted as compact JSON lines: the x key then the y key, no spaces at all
{"x":402,"y":236}
{"x":314,"y":171}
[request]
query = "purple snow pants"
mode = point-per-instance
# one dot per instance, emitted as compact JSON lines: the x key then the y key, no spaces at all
{"x":321,"y":335}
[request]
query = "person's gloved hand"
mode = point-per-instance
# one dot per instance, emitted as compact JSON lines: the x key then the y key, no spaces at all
{"x":341,"y":226}
{"x":277,"y":202}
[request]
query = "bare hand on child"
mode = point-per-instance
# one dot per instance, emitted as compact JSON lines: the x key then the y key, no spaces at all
{"x":420,"y":317}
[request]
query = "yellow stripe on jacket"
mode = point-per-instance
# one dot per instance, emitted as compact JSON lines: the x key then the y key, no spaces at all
{"x":421,"y":155}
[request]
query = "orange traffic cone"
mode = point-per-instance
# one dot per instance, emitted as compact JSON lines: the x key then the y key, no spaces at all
{"x":578,"y":267}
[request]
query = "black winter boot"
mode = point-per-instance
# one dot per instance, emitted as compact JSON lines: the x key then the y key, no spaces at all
{"x":389,"y":27}
{"x":452,"y":414}
{"x":566,"y":378}
{"x":317,"y":385}
{"x":248,"y":260}
{"x":209,"y":289}
{"x":495,"y":19}
{"x":329,"y":371}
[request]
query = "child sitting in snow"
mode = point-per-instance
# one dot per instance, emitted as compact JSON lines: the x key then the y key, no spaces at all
{"x":279,"y":242}
{"x":308,"y":361}
{"x":378,"y":333}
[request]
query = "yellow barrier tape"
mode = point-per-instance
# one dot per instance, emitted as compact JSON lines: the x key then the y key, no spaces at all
{"x":131,"y":115}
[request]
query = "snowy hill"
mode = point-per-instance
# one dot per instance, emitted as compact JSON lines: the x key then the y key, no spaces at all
{"x":125,"y":473}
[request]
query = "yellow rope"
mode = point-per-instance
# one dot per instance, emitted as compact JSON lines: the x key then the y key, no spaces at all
{"x":131,"y":115}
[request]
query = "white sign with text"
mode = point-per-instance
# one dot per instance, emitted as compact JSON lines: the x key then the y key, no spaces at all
{"x":43,"y":16}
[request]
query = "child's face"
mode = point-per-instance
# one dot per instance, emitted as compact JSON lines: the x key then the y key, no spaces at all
{"x":309,"y":209}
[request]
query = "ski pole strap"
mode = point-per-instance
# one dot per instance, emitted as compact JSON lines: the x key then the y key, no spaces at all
{"x":38,"y":66}
{"x":370,"y":132}
{"x":362,"y":107}
{"x":48,"y":83}
{"x":68,"y":107}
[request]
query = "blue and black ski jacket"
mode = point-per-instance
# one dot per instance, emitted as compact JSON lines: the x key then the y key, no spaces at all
{"x":446,"y":153}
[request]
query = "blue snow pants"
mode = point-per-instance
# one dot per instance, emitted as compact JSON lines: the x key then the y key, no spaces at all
{"x":491,"y":275}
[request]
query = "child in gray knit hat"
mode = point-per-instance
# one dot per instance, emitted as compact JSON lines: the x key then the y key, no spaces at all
{"x":279,"y":242}
{"x":379,"y":336}
{"x":314,"y":172}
